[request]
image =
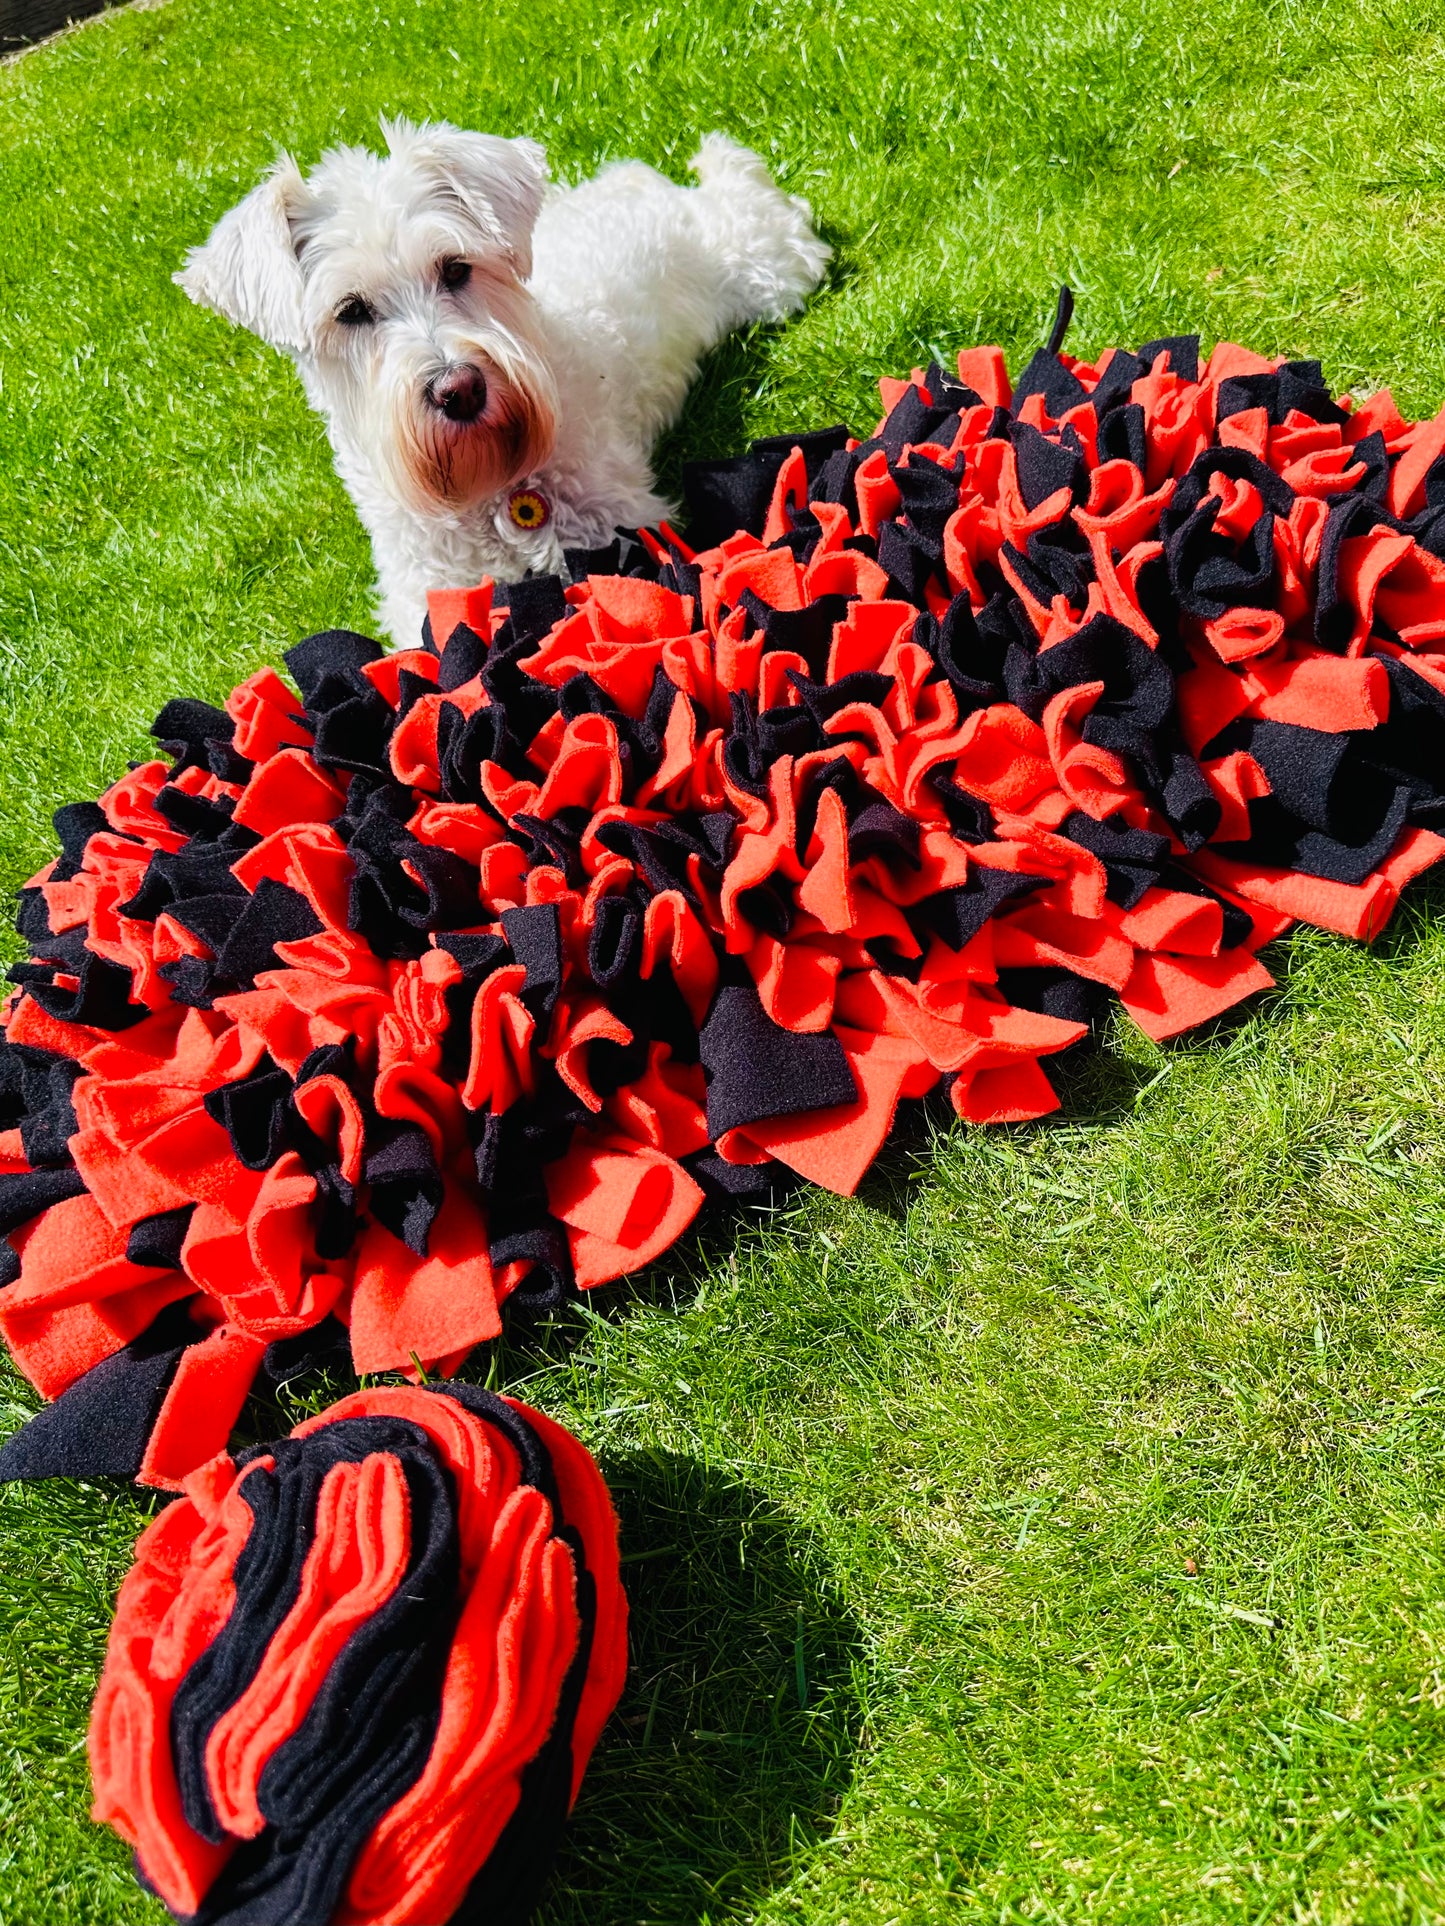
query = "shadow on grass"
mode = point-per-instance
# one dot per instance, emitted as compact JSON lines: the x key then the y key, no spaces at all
{"x":735,"y":1737}
{"x":671,"y":1283}
{"x":1422,"y":905}
{"x":713,"y":425}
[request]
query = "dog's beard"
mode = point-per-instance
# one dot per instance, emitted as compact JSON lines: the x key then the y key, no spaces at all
{"x":453,"y":464}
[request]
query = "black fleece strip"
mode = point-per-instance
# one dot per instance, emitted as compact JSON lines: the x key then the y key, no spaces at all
{"x":755,"y":1069}
{"x":406,"y":1186}
{"x":100,"y":997}
{"x":255,"y":1112}
{"x":29,"y":1192}
{"x":1055,"y":992}
{"x":323,"y":1345}
{"x":100,"y":1427}
{"x":157,"y":1240}
{"x":272,"y":914}
{"x":367,"y":1734}
{"x":335,"y":653}
{"x":75,"y":824}
{"x":47,"y":1120}
{"x":282,"y":1502}
{"x":724,"y":496}
{"x":535,"y":934}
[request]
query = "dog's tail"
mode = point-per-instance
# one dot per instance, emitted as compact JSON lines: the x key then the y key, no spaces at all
{"x":766,"y":237}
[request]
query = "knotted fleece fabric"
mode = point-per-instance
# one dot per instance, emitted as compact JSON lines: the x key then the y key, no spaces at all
{"x":430,"y":981}
{"x":356,"y":1675}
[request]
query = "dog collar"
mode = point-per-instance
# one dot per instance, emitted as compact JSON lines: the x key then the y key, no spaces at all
{"x":529,"y":509}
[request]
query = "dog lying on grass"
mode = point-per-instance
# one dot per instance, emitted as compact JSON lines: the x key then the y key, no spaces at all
{"x":493,"y":358}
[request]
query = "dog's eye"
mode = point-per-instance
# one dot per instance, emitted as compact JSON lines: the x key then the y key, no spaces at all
{"x":355,"y":313}
{"x":454,"y":275}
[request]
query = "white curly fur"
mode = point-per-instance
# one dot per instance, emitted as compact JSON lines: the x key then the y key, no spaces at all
{"x":586,"y":311}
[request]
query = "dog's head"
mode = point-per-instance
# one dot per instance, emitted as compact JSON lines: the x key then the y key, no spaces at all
{"x":398,"y":283}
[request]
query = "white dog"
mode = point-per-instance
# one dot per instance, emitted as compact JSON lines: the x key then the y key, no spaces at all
{"x":495,"y":358}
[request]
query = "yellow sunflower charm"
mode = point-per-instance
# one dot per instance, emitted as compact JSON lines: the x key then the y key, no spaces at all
{"x":528,"y":509}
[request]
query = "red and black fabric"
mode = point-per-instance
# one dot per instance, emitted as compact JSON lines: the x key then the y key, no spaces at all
{"x":356,"y":1675}
{"x":430,"y":982}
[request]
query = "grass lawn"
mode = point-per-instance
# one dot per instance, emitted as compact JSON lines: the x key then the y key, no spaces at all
{"x":1056,"y":1530}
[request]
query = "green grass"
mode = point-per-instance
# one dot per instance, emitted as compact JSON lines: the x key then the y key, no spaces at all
{"x":1056,"y":1531}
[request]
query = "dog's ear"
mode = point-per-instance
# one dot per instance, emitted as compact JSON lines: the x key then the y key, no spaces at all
{"x":498,"y":184}
{"x":248,"y":271}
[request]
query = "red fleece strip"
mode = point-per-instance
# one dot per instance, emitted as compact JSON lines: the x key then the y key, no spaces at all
{"x":177,"y":1596}
{"x":205,"y":1398}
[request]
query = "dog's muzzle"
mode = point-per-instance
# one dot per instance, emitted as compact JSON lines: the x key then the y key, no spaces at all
{"x":460,"y":394}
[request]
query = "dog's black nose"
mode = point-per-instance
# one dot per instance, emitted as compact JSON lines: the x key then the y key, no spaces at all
{"x":460,"y":394}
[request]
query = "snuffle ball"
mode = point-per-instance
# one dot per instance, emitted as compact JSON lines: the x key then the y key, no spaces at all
{"x":428,"y":982}
{"x":356,"y":1675}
